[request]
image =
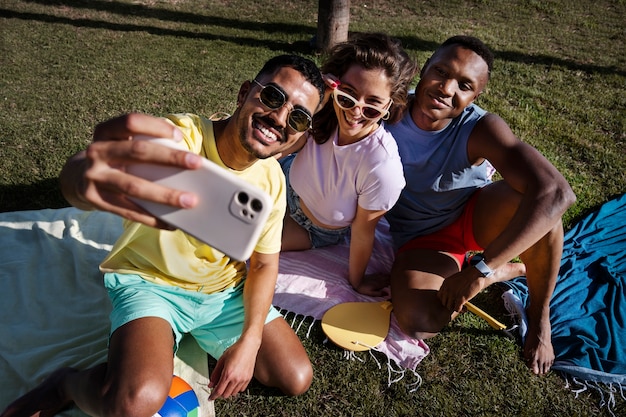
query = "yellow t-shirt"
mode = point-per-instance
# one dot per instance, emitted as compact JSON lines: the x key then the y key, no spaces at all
{"x":174,"y":257}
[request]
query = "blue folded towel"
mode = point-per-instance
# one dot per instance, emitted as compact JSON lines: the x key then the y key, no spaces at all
{"x":588,"y":309}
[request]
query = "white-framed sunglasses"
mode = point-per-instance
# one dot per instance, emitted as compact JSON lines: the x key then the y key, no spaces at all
{"x":347,"y":102}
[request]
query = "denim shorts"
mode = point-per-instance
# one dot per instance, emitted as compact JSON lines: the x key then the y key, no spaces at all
{"x":214,"y":320}
{"x":319,"y":236}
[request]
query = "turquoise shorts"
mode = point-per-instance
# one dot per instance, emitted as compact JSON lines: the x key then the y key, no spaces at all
{"x":214,"y":320}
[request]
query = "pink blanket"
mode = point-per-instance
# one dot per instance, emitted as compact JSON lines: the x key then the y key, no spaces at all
{"x":310,"y":282}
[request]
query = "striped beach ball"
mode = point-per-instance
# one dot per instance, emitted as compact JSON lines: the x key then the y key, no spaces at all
{"x":181,"y":401}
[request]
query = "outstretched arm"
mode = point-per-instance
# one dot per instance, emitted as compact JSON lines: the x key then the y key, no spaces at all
{"x":96,"y":178}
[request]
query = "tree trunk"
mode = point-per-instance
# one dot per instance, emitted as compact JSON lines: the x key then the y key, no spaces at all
{"x":333,"y":19}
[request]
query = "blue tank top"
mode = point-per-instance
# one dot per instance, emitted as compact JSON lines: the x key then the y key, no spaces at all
{"x":439,"y":177}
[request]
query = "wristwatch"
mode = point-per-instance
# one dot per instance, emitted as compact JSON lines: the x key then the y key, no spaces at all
{"x":478,"y":262}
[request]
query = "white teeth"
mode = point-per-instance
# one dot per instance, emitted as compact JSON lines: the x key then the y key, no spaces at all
{"x":351,"y":121}
{"x":267,"y":132}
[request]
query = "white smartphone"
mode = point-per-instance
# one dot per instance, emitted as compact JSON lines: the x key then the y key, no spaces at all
{"x":230,"y":214}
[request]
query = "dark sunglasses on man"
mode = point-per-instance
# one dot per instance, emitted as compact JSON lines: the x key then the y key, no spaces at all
{"x":274,"y":98}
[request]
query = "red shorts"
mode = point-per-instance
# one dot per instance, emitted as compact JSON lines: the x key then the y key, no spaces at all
{"x":456,"y":239}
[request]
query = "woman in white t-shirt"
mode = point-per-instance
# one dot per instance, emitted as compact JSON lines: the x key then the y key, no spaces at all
{"x":345,"y":173}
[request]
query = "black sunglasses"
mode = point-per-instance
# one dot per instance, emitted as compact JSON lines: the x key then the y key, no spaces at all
{"x":273,"y":98}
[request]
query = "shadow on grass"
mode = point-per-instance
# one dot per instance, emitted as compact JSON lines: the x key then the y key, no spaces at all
{"x":143,"y":11}
{"x":39,"y":195}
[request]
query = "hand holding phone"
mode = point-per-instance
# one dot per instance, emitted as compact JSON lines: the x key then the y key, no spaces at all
{"x":230,"y":214}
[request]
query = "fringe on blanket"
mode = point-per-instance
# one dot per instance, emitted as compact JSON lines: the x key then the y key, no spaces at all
{"x":395,"y":373}
{"x":607,"y":390}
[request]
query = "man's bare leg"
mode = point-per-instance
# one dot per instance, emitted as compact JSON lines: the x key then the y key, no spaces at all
{"x":543,"y":262}
{"x":496,"y":206}
{"x":282,"y":361}
{"x":416,"y":277}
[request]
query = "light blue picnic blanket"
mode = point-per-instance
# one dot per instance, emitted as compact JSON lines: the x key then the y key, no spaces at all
{"x":54,"y":309}
{"x":588,"y":308}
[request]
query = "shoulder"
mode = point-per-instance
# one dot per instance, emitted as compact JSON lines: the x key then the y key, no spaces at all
{"x":493,"y":139}
{"x":184,"y":119}
{"x":492,"y":126}
{"x":391,"y":145}
{"x":383,"y":157}
{"x":468,"y":119}
{"x":381,"y":143}
{"x":193,"y":127}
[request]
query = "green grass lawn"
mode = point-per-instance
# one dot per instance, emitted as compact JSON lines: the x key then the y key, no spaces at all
{"x":559,"y":80}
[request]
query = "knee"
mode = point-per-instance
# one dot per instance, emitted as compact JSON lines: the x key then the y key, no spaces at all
{"x":140,"y":401}
{"x":298,"y":380}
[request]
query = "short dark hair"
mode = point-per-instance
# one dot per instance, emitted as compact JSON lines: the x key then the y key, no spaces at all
{"x":474,"y":44}
{"x":303,"y":65}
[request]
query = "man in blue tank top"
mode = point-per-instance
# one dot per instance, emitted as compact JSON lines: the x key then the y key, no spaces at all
{"x":449,"y":206}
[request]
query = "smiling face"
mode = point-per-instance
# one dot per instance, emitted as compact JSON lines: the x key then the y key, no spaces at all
{"x":368,"y":87}
{"x":264,"y":132}
{"x":450,"y":81}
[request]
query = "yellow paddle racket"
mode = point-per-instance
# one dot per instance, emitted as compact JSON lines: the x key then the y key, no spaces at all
{"x":357,"y":326}
{"x":489,"y":319}
{"x":360,"y":326}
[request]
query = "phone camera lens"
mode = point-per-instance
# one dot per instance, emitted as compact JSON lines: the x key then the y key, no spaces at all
{"x":242,"y":197}
{"x":257,"y":205}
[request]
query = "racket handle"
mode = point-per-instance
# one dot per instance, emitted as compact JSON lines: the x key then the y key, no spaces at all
{"x":492,"y":322}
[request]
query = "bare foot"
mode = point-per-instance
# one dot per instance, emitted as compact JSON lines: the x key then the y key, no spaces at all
{"x":47,"y":399}
{"x":538,"y":350}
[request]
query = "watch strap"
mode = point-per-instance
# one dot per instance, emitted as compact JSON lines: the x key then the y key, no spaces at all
{"x":478,"y":262}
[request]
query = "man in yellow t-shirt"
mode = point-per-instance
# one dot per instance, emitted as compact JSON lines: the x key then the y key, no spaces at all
{"x":164,"y":283}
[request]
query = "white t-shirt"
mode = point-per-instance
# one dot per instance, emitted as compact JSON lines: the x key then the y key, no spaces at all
{"x":333,"y":179}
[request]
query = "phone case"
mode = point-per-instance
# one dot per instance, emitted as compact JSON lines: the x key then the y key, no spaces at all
{"x":230,"y":214}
